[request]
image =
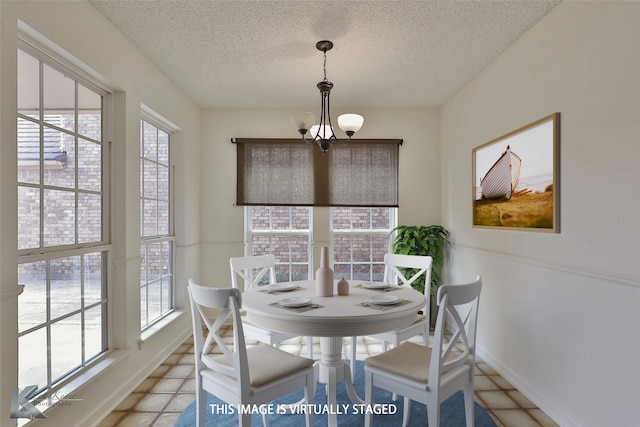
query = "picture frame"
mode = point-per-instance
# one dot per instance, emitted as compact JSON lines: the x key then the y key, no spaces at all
{"x":516,"y":179}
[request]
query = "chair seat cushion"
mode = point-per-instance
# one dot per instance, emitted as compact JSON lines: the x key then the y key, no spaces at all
{"x":408,"y":360}
{"x":267,"y":363}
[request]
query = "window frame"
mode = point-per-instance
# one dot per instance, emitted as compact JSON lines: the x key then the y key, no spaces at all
{"x":59,"y":65}
{"x":160,"y":124}
{"x":322,"y":229}
{"x":280,"y":264}
{"x":393,"y":214}
{"x":102,"y":246}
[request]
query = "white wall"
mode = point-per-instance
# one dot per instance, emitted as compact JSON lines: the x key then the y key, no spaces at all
{"x":222,"y":222}
{"x":85,"y":35}
{"x":560,"y":313}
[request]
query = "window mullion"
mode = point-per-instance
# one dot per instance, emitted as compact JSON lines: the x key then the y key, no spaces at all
{"x":77,"y":170}
{"x":82,"y":311}
{"x":41,"y":160}
{"x":48,"y":321}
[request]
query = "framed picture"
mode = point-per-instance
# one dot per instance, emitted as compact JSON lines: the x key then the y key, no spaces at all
{"x":516,"y":179}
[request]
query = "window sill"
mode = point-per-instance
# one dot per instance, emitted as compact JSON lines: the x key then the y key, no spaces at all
{"x":159,"y":325}
{"x":71,"y":391}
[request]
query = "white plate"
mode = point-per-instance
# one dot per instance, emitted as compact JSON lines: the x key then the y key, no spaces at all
{"x":295,"y":302}
{"x":282,"y":287}
{"x":375,"y":285}
{"x":384,"y":300}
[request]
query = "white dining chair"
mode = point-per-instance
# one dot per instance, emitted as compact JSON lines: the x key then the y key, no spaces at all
{"x":241,"y":375}
{"x":430,"y":375}
{"x":393,"y":266}
{"x":259,"y":270}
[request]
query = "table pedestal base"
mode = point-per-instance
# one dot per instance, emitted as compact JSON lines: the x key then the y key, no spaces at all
{"x":332,"y":371}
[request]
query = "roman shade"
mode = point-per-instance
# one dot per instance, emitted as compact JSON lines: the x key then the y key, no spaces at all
{"x":287,"y":172}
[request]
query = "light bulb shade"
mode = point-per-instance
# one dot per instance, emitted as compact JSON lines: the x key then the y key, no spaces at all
{"x":350,"y":123}
{"x":302,"y":120}
{"x":317,"y":133}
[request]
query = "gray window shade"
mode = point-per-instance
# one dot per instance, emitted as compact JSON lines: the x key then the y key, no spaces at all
{"x":287,"y":172}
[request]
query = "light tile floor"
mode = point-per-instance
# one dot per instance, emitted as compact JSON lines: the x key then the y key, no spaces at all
{"x":161,"y":398}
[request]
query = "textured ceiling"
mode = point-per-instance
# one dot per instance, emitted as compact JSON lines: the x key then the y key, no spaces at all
{"x":262,"y":53}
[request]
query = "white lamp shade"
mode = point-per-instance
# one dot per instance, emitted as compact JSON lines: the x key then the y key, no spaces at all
{"x":325,"y":133}
{"x":350,"y":122}
{"x":302,"y":120}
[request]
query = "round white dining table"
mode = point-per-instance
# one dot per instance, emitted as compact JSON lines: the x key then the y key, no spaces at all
{"x":332,"y":319}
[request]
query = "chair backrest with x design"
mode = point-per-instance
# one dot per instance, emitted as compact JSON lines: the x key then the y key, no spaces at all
{"x":252,"y":270}
{"x":458,"y":316}
{"x":396,"y":264}
{"x":234,"y":364}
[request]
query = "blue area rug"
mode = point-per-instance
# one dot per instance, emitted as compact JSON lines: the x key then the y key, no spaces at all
{"x":349,"y":414}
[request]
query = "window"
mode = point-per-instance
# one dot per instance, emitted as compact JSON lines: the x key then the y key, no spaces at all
{"x":285,"y":232}
{"x":358,"y":181}
{"x":62,"y":246}
{"x":156,"y":225}
{"x":361,"y":238}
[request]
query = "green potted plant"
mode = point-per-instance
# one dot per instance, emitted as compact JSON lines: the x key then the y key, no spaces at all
{"x":430,"y":240}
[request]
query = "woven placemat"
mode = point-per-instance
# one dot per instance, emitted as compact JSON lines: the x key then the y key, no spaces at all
{"x":389,"y":288}
{"x":381,"y":307}
{"x":302,"y":309}
{"x":272,"y":292}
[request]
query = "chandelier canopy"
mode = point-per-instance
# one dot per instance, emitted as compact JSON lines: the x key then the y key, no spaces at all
{"x":322,"y":133}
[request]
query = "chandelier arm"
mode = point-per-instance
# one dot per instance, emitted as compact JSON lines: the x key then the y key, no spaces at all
{"x":328,"y":104}
{"x":306,"y":141}
{"x":340,"y":141}
{"x":321,"y":128}
{"x":333,"y":138}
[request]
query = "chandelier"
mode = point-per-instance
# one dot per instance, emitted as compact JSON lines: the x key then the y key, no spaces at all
{"x":322,"y":133}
